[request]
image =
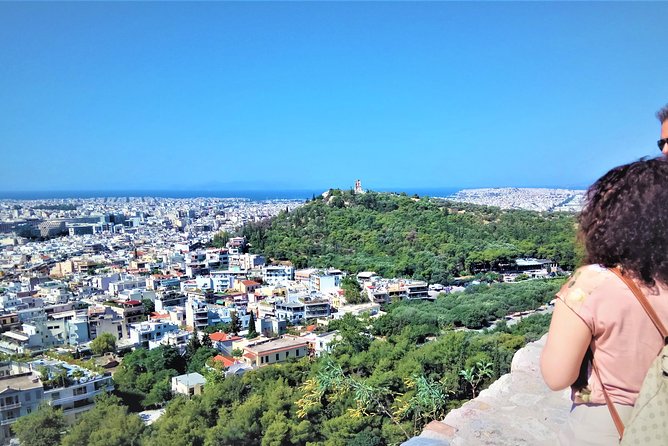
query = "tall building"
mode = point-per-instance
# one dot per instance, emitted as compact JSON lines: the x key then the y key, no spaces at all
{"x":61,"y":385}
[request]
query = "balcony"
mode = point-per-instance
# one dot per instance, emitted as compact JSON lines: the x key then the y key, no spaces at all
{"x":8,"y":421}
{"x":10,"y":406}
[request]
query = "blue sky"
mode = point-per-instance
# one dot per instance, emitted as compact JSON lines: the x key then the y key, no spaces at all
{"x":300,"y":95}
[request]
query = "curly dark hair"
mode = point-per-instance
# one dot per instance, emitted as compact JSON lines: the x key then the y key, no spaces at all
{"x":625,"y":220}
{"x":663,"y":114}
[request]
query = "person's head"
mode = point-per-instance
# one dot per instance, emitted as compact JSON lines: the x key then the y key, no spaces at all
{"x":663,"y":118}
{"x":625,"y":220}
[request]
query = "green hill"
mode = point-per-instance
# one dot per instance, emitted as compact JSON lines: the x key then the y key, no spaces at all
{"x":403,"y":236}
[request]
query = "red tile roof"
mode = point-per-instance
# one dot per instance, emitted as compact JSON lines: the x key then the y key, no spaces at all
{"x":226,"y":360}
{"x":220,"y":336}
{"x":249,"y":282}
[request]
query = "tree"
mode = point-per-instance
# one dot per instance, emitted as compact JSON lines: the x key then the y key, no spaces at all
{"x":237,"y":353}
{"x":43,"y":427}
{"x":106,"y":342}
{"x":220,"y":240}
{"x":352,"y":290}
{"x":206,"y":341}
{"x":198,"y":360}
{"x":474,"y":375}
{"x":160,"y":393}
{"x":193,"y":345}
{"x":235,"y":325}
{"x":251,"y":327}
{"x":149,"y":305}
{"x":108,"y":423}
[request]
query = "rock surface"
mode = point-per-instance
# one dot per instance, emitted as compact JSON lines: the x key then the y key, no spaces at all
{"x":517,"y":409}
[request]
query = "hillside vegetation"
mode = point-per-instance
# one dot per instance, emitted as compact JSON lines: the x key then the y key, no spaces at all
{"x":402,"y":236}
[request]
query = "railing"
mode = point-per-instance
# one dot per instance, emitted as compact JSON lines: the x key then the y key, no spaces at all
{"x":10,"y":406}
{"x":8,"y":421}
{"x":82,"y":396}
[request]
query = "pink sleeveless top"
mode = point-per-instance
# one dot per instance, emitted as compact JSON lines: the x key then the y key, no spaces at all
{"x":625,"y":341}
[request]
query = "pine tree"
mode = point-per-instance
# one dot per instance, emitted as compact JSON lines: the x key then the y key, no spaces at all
{"x":236,"y":323}
{"x":206,"y":341}
{"x":193,"y":345}
{"x":251,"y":327}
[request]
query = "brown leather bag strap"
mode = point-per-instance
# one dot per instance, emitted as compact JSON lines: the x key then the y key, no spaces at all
{"x":657,"y":323}
{"x":644,"y":302}
{"x":619,"y":424}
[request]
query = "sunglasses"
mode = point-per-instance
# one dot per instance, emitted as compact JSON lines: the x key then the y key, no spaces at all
{"x":661,"y":143}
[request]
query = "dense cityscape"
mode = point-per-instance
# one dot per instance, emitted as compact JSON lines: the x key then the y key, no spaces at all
{"x":87,"y":283}
{"x":531,"y":199}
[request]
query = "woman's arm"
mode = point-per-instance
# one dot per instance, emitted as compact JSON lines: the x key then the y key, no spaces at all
{"x":567,"y":342}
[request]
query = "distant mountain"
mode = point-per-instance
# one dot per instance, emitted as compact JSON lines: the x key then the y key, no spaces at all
{"x":407,"y":236}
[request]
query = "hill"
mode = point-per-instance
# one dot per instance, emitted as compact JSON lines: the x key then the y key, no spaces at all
{"x":402,"y":236}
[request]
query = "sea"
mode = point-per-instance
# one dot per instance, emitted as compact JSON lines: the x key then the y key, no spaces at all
{"x":255,"y":195}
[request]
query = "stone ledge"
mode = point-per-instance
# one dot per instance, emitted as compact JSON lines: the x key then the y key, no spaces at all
{"x":517,"y":409}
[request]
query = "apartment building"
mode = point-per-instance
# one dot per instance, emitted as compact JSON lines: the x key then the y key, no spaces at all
{"x":272,"y":352}
{"x":197,"y":314}
{"x":325,"y":281}
{"x":27,"y":385}
{"x":302,"y":310}
{"x":21,"y":393}
{"x":9,"y":321}
{"x":277,"y":274}
{"x":145,"y":332}
{"x":76,"y":392}
{"x":102,"y":319}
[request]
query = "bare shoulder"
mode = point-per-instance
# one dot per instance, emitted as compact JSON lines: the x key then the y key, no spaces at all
{"x":584,"y":281}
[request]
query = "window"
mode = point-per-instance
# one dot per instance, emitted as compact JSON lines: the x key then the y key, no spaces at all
{"x":79,"y":391}
{"x":287,"y":353}
{"x":27,"y":396}
{"x":277,"y":356}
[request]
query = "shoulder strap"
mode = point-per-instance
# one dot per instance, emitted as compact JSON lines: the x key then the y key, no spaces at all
{"x":657,"y":323}
{"x":619,"y":424}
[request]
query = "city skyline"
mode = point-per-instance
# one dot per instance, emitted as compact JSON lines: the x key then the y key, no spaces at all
{"x":294,"y":96}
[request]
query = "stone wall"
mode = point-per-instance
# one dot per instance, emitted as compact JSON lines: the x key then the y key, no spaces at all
{"x":517,"y":409}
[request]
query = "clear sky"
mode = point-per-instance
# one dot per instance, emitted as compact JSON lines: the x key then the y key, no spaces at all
{"x":298,"y":95}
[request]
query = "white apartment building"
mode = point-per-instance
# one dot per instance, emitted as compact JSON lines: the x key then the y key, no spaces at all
{"x":177,"y":339}
{"x":277,"y":274}
{"x":145,"y":332}
{"x":26,"y":385}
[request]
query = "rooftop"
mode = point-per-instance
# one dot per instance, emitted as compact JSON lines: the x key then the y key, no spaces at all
{"x":23,"y":381}
{"x":191,"y":379}
{"x":225,"y":360}
{"x":278,"y":344}
{"x":220,"y":336}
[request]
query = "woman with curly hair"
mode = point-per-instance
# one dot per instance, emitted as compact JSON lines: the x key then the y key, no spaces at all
{"x":624,"y":227}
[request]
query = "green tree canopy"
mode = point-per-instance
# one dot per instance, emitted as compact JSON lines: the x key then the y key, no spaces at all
{"x":107,"y":424}
{"x":149,"y":305}
{"x":252,"y":333}
{"x":401,"y":236}
{"x":106,"y":342}
{"x":43,"y":427}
